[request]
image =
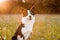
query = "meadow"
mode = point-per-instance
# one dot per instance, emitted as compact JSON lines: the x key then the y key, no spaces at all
{"x":46,"y":27}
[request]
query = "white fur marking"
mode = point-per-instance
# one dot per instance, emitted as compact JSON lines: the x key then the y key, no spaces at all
{"x":28,"y":25}
{"x":19,"y":38}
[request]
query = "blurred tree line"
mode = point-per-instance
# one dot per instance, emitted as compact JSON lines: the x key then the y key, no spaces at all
{"x":40,"y":6}
{"x":43,"y":6}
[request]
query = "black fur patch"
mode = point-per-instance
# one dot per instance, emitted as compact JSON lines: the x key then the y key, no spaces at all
{"x":18,"y":32}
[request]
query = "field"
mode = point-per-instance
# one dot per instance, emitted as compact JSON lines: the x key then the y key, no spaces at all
{"x":46,"y":27}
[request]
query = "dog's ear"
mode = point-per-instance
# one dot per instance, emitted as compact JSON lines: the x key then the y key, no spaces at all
{"x":32,"y":11}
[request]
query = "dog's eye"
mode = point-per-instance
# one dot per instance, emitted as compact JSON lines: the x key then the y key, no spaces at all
{"x":32,"y":13}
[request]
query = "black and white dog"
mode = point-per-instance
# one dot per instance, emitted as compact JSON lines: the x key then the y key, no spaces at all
{"x":24,"y":31}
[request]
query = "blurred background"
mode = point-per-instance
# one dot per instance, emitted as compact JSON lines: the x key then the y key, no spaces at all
{"x":40,"y":6}
{"x":47,"y":22}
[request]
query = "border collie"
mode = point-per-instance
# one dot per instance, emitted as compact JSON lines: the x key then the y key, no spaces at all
{"x":24,"y":31}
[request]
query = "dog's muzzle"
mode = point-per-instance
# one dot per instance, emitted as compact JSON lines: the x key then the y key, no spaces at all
{"x":30,"y":18}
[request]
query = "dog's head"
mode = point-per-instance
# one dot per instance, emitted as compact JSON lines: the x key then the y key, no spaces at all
{"x":28,"y":18}
{"x":28,"y":14}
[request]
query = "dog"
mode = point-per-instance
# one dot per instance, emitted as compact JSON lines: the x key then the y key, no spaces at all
{"x":28,"y":21}
{"x":25,"y":29}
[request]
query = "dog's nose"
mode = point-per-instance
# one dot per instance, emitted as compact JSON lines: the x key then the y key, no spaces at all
{"x":30,"y":18}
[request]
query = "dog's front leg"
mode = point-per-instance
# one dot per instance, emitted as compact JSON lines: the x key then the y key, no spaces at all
{"x":19,"y":38}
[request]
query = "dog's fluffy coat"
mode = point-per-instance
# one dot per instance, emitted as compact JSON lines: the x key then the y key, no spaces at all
{"x":24,"y":31}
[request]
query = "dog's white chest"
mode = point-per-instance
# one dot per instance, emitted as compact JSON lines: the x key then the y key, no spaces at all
{"x":28,"y":25}
{"x":26,"y":32}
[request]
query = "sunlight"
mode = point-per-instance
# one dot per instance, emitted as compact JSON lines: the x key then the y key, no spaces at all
{"x":2,"y":4}
{"x":5,"y":5}
{"x":2,"y":1}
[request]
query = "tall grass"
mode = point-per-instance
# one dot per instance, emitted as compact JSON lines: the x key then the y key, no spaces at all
{"x":46,"y":27}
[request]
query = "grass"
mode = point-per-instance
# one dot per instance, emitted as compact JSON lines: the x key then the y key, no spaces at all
{"x":46,"y":27}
